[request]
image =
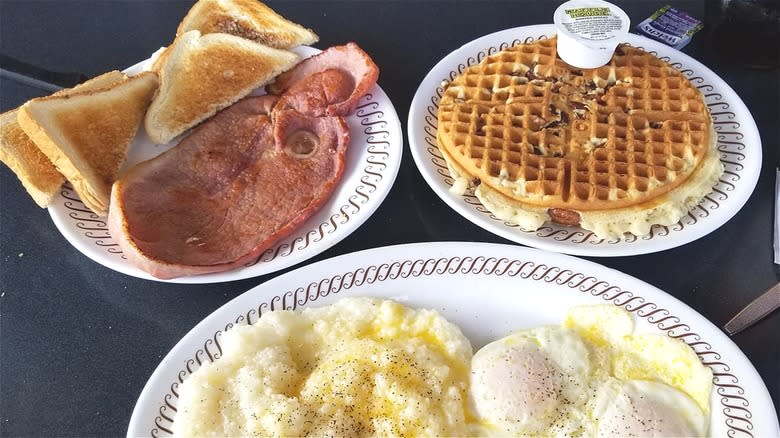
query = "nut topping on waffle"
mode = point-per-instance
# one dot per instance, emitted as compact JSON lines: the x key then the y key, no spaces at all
{"x":579,"y":145}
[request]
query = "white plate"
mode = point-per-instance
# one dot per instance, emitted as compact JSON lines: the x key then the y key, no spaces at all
{"x":488,"y":290}
{"x":738,"y":141}
{"x":373,"y":159}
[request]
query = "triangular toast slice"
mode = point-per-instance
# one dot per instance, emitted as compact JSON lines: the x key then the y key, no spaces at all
{"x":33,"y":168}
{"x":36,"y":172}
{"x":86,"y":134}
{"x":249,"y":19}
{"x":202,"y":74}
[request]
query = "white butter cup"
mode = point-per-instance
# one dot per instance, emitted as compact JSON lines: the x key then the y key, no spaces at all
{"x":588,"y":41}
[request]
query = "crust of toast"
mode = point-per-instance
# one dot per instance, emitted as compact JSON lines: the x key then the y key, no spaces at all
{"x":203,"y":74}
{"x":248,"y":19}
{"x":86,"y":133}
{"x":102,"y":81}
{"x":36,"y":172}
{"x":162,"y":58}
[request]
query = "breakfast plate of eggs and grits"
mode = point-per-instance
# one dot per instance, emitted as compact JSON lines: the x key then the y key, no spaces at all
{"x":454,"y":339}
{"x":648,"y":152}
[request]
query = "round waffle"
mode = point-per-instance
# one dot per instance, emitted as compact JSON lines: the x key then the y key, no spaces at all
{"x":614,"y":149}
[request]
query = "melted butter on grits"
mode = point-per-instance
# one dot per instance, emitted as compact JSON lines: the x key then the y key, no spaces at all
{"x":358,"y":367}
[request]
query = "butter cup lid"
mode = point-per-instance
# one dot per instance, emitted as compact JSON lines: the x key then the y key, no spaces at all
{"x":589,"y":31}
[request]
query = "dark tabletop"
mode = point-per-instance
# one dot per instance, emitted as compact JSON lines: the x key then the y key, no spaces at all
{"x":78,"y":341}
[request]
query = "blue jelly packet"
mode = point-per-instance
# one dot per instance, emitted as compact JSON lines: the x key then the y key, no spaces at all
{"x":670,"y":26}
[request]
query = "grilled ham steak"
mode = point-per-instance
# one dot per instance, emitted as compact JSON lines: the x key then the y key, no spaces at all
{"x":247,"y":177}
{"x":318,"y":92}
{"x":349,"y":59}
{"x":217,"y":201}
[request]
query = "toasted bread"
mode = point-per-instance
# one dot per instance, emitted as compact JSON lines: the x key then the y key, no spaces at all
{"x":36,"y":172}
{"x":248,"y":19}
{"x":102,"y":81}
{"x":203,"y":74}
{"x":86,"y":133}
{"x":159,"y":61}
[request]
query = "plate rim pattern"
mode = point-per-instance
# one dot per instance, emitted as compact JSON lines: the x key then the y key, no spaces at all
{"x":574,"y":240}
{"x":734,"y":403}
{"x":383,"y":135}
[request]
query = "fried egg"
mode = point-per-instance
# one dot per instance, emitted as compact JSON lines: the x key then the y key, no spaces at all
{"x":591,"y":376}
{"x":624,"y":408}
{"x":525,"y":381}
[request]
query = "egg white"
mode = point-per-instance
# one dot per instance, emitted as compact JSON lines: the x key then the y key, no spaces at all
{"x":645,"y":408}
{"x":592,"y":376}
{"x":527,"y":382}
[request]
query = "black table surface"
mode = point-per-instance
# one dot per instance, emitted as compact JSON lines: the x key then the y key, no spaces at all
{"x":76,"y":337}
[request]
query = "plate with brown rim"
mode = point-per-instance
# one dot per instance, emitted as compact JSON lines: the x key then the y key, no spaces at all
{"x":517,"y":288}
{"x":737,"y":137}
{"x":372,"y":163}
